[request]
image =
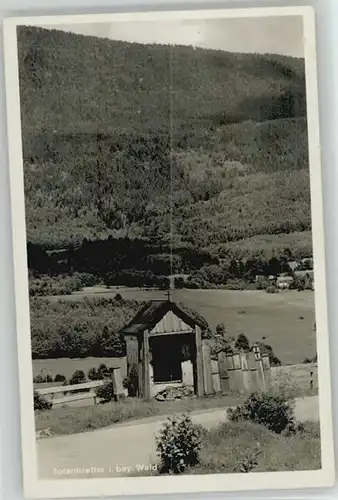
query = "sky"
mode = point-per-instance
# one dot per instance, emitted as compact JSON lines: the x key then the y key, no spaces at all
{"x":274,"y":35}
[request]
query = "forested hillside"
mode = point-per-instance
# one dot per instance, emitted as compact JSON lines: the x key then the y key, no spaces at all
{"x":118,"y":134}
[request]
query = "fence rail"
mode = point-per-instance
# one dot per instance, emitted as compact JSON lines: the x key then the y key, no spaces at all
{"x":69,"y":388}
{"x":64,"y":390}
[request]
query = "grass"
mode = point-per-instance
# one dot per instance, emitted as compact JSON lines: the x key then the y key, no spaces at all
{"x":301,"y":375}
{"x":67,"y":366}
{"x":227,"y":447}
{"x":258,"y":314}
{"x":250,"y":312}
{"x":74,"y":420}
{"x":77,"y":419}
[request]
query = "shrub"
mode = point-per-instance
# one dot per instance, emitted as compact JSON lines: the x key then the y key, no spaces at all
{"x":103,"y":372}
{"x":271,"y":289}
{"x":267,"y":349}
{"x":86,"y":279}
{"x":106,"y":392}
{"x":273,"y":410}
{"x":249,"y":461}
{"x":40,"y":379}
{"x":242,"y":343}
{"x":93,"y":374}
{"x":78,"y":377}
{"x":310,"y":360}
{"x":262,"y":285}
{"x":59,"y":378}
{"x":220,"y":329}
{"x":235,"y":284}
{"x":40,"y":403}
{"x":178,"y":444}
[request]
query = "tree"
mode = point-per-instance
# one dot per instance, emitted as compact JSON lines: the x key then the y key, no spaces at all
{"x":254,"y":267}
{"x":242,"y":343}
{"x":273,"y":267}
{"x":220,"y":329}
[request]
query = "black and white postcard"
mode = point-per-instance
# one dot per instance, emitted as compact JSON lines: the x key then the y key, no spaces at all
{"x":169,"y":252}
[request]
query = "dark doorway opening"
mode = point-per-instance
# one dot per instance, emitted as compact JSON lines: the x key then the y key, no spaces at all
{"x":166,"y":358}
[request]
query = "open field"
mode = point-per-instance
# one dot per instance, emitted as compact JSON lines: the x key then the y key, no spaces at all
{"x":284,"y":320}
{"x":67,"y":366}
{"x":302,"y":375}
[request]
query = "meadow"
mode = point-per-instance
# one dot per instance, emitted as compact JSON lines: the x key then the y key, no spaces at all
{"x":276,"y":452}
{"x":284,"y":320}
{"x":66,"y":366}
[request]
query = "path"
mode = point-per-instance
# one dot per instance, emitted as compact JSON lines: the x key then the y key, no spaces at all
{"x":120,"y":449}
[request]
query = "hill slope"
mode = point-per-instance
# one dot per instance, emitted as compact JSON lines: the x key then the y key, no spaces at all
{"x":114,"y":132}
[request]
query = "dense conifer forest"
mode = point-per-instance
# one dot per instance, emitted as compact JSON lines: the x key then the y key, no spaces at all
{"x":131,"y":151}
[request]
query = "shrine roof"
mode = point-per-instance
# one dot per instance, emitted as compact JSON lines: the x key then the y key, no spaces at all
{"x":153,"y":311}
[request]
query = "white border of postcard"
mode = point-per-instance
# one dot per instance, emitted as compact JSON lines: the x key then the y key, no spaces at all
{"x":35,"y":488}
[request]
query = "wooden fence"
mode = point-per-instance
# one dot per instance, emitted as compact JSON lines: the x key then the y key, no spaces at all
{"x":79,"y":392}
{"x":242,"y":372}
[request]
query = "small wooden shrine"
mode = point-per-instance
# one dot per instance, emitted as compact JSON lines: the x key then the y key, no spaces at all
{"x":164,"y":347}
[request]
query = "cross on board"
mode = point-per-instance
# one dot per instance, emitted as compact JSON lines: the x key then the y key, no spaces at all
{"x":169,"y":295}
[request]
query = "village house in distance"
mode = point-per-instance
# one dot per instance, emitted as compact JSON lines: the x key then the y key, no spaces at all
{"x":172,"y":312}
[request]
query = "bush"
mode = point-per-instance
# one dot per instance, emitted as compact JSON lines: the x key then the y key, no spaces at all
{"x":40,"y":403}
{"x":106,"y":392}
{"x":86,"y":279}
{"x":103,"y":372}
{"x":271,"y":289}
{"x":178,"y":445}
{"x":40,"y":379}
{"x":235,"y":284}
{"x":93,"y":374}
{"x":242,"y":343}
{"x":267,"y":349}
{"x":78,"y":377}
{"x":59,"y":378}
{"x":310,"y":360}
{"x":274,"y":411}
{"x":262,"y":285}
{"x":220,"y":329}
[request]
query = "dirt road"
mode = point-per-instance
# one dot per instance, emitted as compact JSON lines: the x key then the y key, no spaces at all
{"x":125,"y":448}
